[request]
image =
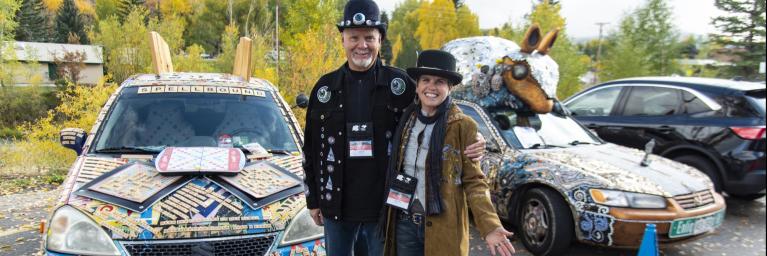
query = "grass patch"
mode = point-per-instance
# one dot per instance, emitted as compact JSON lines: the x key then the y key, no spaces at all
{"x":21,"y":184}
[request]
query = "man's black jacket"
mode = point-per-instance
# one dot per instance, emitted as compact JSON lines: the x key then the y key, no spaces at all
{"x":325,"y":131}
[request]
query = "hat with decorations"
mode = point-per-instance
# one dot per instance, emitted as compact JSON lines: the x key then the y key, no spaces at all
{"x":437,"y":63}
{"x":362,"y":14}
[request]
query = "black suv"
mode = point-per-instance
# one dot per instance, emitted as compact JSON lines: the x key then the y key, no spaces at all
{"x":715,"y":125}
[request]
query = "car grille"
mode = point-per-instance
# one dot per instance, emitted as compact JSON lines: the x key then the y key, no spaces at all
{"x":241,"y":245}
{"x":695,"y":200}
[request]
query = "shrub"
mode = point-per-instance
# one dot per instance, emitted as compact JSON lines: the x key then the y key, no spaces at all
{"x":39,"y":152}
{"x":20,"y":105}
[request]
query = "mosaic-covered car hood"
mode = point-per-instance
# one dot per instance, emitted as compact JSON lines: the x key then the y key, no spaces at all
{"x":619,"y":168}
{"x":203,"y":206}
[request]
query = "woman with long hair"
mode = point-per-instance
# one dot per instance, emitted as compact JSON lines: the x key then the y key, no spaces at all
{"x":431,"y":184}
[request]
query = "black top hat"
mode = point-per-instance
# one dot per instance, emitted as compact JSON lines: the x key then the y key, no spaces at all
{"x":436,"y":63}
{"x":362,"y":14}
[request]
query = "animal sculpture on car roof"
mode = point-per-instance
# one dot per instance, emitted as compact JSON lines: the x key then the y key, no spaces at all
{"x":527,"y":72}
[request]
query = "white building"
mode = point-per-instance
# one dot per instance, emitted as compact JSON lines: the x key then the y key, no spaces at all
{"x":45,"y":54}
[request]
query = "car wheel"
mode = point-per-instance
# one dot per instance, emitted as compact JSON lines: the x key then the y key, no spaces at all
{"x":545,"y":223}
{"x":704,"y":166}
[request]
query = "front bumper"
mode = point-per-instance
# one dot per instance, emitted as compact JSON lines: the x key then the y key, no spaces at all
{"x":629,"y":224}
{"x":261,"y":244}
{"x":754,"y":182}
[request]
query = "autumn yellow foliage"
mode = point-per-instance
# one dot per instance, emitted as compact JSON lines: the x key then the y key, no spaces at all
{"x":317,"y":52}
{"x":439,"y":22}
{"x":84,"y":6}
{"x":40,"y":152}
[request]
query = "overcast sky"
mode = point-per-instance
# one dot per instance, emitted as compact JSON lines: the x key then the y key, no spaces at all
{"x":690,"y":16}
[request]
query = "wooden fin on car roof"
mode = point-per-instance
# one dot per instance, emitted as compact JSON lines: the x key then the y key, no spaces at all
{"x":161,"y":61}
{"x":242,"y":59}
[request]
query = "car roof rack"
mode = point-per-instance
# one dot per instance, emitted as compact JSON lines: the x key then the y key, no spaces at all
{"x":162,"y":63}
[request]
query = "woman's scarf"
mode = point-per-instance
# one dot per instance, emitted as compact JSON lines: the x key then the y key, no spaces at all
{"x":434,"y":158}
{"x":434,"y":204}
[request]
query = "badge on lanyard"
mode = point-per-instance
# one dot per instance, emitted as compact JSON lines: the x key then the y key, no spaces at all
{"x":360,"y":137}
{"x":401,"y":191}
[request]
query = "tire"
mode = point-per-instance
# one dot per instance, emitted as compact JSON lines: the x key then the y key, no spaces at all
{"x":544,"y":221}
{"x":703,"y":165}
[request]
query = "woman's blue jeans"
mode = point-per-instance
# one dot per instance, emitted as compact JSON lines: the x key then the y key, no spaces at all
{"x":410,"y":237}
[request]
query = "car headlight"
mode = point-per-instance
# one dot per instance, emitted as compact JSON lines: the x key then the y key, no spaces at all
{"x":627,"y":199}
{"x":72,"y":232}
{"x":302,"y":229}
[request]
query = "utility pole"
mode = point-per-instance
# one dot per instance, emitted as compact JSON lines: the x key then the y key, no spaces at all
{"x":277,"y":37}
{"x":229,"y":10}
{"x":599,"y":52}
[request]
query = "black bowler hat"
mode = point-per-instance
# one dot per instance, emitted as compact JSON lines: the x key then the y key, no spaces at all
{"x":436,"y":63}
{"x":362,"y":14}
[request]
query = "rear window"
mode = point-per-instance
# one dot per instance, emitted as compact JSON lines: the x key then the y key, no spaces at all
{"x":741,"y":106}
{"x":757,"y":98}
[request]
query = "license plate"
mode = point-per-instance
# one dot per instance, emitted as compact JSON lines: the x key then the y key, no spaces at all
{"x":695,"y":225}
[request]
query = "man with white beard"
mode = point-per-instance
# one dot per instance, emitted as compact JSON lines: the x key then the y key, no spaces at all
{"x":350,"y":121}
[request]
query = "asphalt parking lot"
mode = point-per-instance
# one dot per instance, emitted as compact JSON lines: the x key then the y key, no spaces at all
{"x":742,"y":234}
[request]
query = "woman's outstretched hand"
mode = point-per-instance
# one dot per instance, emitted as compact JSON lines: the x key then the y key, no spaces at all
{"x":497,"y":241}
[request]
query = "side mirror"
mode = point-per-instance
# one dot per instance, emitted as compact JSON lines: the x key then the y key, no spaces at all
{"x":561,"y":110}
{"x":302,"y":101}
{"x":503,"y":122}
{"x":73,"y":138}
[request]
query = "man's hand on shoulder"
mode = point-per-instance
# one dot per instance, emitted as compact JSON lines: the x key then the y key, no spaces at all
{"x":477,"y":150}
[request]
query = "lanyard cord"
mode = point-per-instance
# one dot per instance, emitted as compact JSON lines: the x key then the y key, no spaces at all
{"x":418,"y":153}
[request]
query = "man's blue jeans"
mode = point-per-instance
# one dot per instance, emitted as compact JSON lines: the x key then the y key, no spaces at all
{"x":410,"y":237}
{"x":340,"y":237}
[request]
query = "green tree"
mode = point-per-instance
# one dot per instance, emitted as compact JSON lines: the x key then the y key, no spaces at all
{"x":191,"y":60}
{"x":306,"y":15}
{"x":646,"y":44}
{"x":467,"y":23}
{"x":229,"y":40}
{"x":403,"y":22}
{"x":655,"y":32}
{"x":688,"y":48}
{"x":106,"y":8}
{"x":127,"y":54}
{"x":206,"y":24}
{"x":436,"y":24}
{"x":743,"y":27}
{"x":440,"y":21}
{"x":8,"y":9}
{"x":572,"y":63}
{"x":70,"y":23}
{"x":623,"y":57}
{"x":386,"y":46}
{"x":125,"y":7}
{"x":33,"y":22}
{"x":312,"y":56}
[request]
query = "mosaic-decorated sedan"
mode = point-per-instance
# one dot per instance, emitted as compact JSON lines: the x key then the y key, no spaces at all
{"x":186,"y":164}
{"x":552,"y":178}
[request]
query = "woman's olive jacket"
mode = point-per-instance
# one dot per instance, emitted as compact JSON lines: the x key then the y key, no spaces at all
{"x":463,"y":187}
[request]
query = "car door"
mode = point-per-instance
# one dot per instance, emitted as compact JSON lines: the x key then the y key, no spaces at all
{"x":495,"y":146}
{"x":654,"y":112}
{"x":596,"y":109}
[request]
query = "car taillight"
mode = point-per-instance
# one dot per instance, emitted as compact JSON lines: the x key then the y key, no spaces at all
{"x":749,"y":133}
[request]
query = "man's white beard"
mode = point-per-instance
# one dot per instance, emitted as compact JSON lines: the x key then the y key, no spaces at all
{"x":363,"y":63}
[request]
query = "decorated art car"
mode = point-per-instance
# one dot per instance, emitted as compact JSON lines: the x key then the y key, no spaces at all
{"x":553,"y":179}
{"x":186,"y":164}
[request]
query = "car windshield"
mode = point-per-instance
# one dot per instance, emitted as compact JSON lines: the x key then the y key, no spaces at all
{"x":544,"y":130}
{"x":150,"y":122}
